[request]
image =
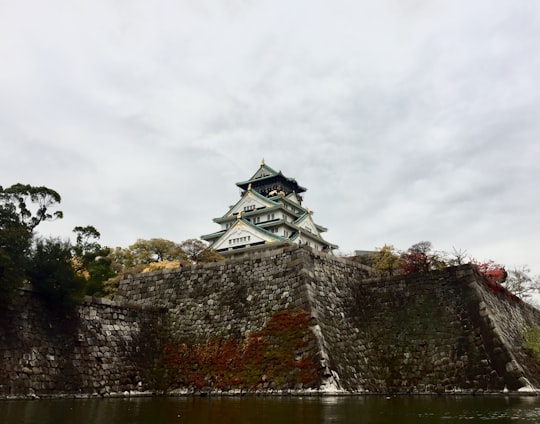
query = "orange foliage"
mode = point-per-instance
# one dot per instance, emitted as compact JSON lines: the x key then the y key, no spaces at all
{"x":164,"y":264}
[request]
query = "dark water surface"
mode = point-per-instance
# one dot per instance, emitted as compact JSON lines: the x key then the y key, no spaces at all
{"x":279,"y":410}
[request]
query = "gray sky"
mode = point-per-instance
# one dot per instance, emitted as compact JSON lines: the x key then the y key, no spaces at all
{"x":407,"y":120}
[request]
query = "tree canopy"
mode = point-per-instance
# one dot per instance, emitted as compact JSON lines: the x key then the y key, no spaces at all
{"x":387,"y":261}
{"x":31,"y":203}
{"x":22,"y":208}
{"x":155,"y":254}
{"x":15,"y":241}
{"x":52,"y":273}
{"x":92,"y":260}
{"x":61,"y":272}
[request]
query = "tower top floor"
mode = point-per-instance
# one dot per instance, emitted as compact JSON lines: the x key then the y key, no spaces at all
{"x":269,"y":182}
{"x":269,"y":211}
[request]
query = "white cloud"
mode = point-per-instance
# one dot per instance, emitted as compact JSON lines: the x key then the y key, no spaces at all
{"x":407,"y":120}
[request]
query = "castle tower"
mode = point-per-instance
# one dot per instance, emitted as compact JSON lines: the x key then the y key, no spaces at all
{"x":269,"y":211}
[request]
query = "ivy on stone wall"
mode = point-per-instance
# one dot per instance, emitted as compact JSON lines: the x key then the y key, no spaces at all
{"x":283,"y":355}
{"x":531,"y":341}
{"x":149,"y":355}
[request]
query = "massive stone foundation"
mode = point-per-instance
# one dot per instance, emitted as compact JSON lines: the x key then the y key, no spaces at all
{"x":288,"y":318}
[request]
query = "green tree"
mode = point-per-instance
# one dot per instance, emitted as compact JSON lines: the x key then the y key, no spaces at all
{"x":31,"y":203}
{"x":15,"y":240}
{"x":53,"y":275}
{"x":22,"y":208}
{"x":92,"y":260}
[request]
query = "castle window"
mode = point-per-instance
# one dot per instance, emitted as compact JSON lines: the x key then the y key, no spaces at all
{"x":240,"y":240}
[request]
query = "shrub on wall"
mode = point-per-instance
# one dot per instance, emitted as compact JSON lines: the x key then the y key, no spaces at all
{"x":531,"y":341}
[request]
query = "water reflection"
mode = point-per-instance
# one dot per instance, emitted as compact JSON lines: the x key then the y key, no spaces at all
{"x":263,"y":410}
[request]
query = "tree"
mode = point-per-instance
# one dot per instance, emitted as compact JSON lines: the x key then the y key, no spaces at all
{"x":145,"y":252}
{"x":86,"y":240}
{"x":15,"y":240}
{"x":153,"y":250}
{"x":520,"y":282}
{"x":458,"y":257}
{"x":156,"y":254}
{"x":31,"y":203}
{"x":92,"y":260}
{"x":420,"y":258}
{"x":52,"y":273}
{"x":386,"y":261}
{"x":22,"y":208}
{"x":209,"y":255}
{"x":198,"y":252}
{"x":143,"y":255}
{"x":491,"y":271}
{"x":416,"y":258}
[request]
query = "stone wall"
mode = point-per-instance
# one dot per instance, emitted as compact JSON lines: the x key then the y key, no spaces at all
{"x":88,"y":350}
{"x":225,"y":299}
{"x":432,"y":332}
{"x":421,"y":333}
{"x":501,"y":320}
{"x":444,"y":331}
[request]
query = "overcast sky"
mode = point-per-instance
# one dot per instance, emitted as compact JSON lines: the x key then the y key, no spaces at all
{"x":407,"y":120}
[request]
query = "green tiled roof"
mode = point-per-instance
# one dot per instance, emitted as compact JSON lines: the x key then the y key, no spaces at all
{"x":271,"y":174}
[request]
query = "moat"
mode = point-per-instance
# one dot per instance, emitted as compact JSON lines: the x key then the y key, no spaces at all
{"x":266,"y":410}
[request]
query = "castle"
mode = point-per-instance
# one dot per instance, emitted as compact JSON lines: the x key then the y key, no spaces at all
{"x":269,"y":212}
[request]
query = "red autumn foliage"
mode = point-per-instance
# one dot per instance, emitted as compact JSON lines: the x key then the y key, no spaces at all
{"x":494,"y":275}
{"x":282,"y":354}
{"x":413,"y":262}
{"x":490,"y":271}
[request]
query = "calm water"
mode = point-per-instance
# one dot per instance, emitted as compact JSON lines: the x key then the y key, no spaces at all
{"x":247,"y":410}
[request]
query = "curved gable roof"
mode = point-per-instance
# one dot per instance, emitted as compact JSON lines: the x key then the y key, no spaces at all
{"x":244,"y":232}
{"x":250,"y":195}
